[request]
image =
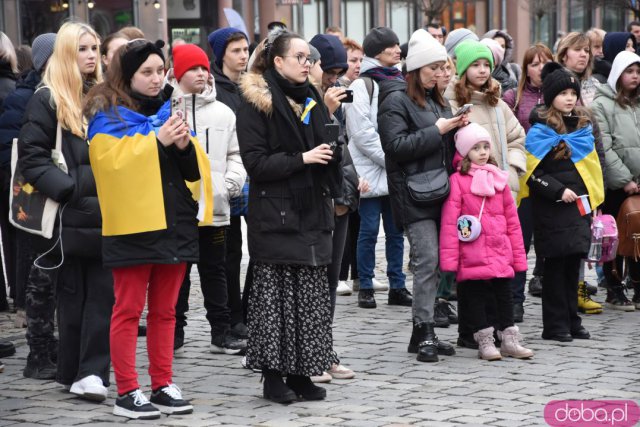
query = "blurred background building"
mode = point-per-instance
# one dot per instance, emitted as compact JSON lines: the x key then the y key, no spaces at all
{"x":527,"y":21}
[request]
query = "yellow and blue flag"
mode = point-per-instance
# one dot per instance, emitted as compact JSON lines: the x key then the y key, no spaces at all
{"x":541,"y":139}
{"x":126,"y":165}
{"x":306,"y":114}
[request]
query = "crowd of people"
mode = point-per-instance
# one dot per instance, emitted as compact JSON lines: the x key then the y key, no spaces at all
{"x":467,"y":154}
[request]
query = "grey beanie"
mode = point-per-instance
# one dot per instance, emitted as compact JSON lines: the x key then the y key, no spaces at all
{"x":314,"y":54}
{"x":42,"y":49}
{"x":455,"y":37}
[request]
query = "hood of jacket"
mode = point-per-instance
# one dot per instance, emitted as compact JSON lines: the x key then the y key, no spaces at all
{"x":369,"y":63}
{"x":622,"y":61}
{"x":389,"y":87}
{"x":256,"y":91}
{"x":508,"y":50}
{"x":207,"y":96}
{"x":29,"y":81}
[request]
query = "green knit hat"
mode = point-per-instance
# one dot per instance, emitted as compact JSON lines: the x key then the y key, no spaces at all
{"x":468,"y":52}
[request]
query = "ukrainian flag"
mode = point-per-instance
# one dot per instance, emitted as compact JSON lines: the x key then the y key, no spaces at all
{"x":126,"y":165}
{"x":541,"y":139}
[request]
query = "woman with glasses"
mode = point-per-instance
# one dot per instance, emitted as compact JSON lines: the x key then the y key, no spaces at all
{"x":294,"y":175}
{"x":143,"y":159}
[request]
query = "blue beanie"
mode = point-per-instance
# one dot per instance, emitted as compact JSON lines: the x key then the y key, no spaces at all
{"x":614,"y":43}
{"x":218,"y":41}
{"x":332,"y":52}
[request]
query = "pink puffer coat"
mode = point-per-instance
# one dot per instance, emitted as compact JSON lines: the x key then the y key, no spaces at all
{"x":498,"y":252}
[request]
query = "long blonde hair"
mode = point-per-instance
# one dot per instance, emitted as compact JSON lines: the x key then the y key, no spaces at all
{"x":63,"y":76}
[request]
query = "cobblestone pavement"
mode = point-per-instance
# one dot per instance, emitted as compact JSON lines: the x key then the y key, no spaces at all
{"x":391,"y":387}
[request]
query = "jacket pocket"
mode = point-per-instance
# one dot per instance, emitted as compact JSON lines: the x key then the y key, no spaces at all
{"x":275,"y":213}
{"x":220,"y":195}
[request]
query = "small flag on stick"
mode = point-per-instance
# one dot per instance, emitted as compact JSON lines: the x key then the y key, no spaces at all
{"x":583,"y":205}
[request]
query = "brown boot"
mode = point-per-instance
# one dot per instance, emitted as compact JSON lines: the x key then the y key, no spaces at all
{"x":486,"y":348}
{"x":510,"y":346}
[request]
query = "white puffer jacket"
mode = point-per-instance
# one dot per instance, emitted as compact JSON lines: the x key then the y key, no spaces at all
{"x":215,"y":126}
{"x":362,"y":129}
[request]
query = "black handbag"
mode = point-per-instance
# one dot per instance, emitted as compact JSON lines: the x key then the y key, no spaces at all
{"x":428,"y":188}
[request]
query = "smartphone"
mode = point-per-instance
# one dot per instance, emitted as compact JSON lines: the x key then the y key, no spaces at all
{"x":349,"y":97}
{"x":331,"y":133}
{"x":465,"y":108}
{"x":177,"y":107}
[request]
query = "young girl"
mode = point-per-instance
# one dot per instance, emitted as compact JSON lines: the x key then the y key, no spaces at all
{"x":485,"y":266}
{"x":562,"y":166}
{"x":615,"y":108}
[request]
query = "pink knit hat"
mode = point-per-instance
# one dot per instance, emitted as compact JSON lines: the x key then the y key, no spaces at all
{"x":496,"y":50}
{"x":469,"y":136}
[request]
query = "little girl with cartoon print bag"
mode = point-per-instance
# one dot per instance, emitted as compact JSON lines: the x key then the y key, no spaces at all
{"x":481,"y":240}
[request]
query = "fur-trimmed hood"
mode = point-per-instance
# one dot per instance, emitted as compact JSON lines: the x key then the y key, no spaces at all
{"x":256,"y":91}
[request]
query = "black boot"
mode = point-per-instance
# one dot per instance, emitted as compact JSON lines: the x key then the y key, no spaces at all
{"x":425,"y":342}
{"x":274,"y":388}
{"x":304,"y":388}
{"x":39,"y":366}
{"x":7,"y":348}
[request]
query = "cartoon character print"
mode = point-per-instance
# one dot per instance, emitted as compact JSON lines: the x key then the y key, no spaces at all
{"x":464,"y":228}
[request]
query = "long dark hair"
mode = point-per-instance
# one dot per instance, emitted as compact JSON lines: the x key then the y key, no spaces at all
{"x":417,"y":93}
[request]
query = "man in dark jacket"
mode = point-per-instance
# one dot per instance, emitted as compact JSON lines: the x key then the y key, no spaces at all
{"x":17,"y":245}
{"x":231,"y":50}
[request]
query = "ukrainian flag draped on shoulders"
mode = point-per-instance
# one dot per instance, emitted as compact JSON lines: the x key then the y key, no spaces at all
{"x":541,"y":139}
{"x":126,"y":164}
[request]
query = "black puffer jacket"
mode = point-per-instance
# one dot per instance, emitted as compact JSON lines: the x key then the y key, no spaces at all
{"x":558,"y":228}
{"x":81,"y":219}
{"x":7,"y":80}
{"x":411,"y":143}
{"x":350,"y":194}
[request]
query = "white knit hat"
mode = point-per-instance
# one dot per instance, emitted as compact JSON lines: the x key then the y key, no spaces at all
{"x":424,"y":50}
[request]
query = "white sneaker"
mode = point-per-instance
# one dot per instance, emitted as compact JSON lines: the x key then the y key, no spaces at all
{"x":379,"y":286}
{"x":343,"y":288}
{"x":90,"y":388}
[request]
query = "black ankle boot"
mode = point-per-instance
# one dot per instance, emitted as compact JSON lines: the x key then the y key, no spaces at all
{"x":274,"y":388}
{"x":304,"y":388}
{"x":425,"y":342}
{"x":39,"y":366}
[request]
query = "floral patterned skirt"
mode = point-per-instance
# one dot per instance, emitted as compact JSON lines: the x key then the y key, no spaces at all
{"x":289,"y":320}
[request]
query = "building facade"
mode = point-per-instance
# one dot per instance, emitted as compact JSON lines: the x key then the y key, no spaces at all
{"x":527,"y":21}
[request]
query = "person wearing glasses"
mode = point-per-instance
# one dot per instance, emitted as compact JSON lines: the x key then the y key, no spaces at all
{"x":295,"y":175}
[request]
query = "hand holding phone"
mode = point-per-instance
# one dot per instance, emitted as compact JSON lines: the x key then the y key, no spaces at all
{"x":465,"y":109}
{"x":349,"y":98}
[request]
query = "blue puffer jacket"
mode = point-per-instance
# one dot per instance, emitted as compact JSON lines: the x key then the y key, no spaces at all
{"x":13,"y":110}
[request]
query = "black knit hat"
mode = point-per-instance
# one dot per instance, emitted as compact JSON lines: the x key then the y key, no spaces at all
{"x":555,"y":79}
{"x":136,"y":53}
{"x":378,"y":39}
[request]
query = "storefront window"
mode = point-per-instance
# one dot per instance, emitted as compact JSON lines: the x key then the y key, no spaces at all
{"x":108,"y":16}
{"x":461,"y":14}
{"x":39,"y":17}
{"x":613,"y":19}
{"x":356,"y":18}
{"x":579,"y":16}
{"x":314,"y":18}
{"x":400,"y":17}
{"x":543,"y":28}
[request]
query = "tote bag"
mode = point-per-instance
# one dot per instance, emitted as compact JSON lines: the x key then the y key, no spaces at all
{"x":30,"y":210}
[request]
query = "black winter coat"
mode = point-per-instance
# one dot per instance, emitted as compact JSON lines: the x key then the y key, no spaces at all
{"x":350,"y":193}
{"x":412,"y":143}
{"x":81,"y":219}
{"x":227,"y":91}
{"x":277,"y":233}
{"x":7,"y":80}
{"x":13,"y":110}
{"x":558,"y":228}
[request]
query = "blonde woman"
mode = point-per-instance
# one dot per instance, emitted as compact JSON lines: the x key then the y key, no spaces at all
{"x":84,"y":288}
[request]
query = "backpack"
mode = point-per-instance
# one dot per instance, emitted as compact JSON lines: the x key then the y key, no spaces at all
{"x":628,"y":222}
{"x":608,"y":231}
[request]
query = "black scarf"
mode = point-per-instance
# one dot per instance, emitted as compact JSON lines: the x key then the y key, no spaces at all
{"x":303,"y":138}
{"x":149,"y":105}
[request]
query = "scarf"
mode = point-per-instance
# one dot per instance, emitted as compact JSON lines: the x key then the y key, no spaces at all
{"x":487,"y":179}
{"x":303,"y":137}
{"x":541,"y":139}
{"x":383,"y":73}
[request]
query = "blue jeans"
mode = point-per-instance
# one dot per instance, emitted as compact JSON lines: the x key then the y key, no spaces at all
{"x":370,"y":211}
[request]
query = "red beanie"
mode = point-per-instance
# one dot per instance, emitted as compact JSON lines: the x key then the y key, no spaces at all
{"x":186,"y":57}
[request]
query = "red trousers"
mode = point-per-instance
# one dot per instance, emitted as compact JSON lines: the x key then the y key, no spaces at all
{"x":131,"y":285}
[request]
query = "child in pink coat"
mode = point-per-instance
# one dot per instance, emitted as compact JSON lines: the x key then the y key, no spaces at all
{"x":487,"y":264}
